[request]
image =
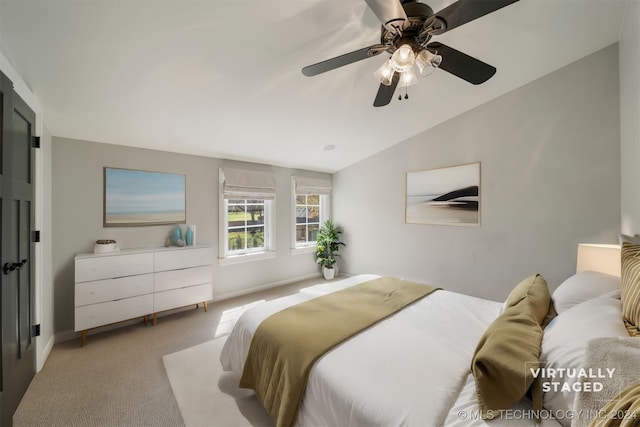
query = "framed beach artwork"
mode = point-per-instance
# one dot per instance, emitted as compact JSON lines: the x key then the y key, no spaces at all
{"x":135,"y":197}
{"x":444,"y":196}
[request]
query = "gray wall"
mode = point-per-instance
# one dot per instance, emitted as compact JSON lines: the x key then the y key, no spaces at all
{"x":630,"y":117}
{"x":550,"y":160}
{"x":77,"y":217}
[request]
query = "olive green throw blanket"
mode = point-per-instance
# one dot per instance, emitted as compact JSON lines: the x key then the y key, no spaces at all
{"x":287,"y":344}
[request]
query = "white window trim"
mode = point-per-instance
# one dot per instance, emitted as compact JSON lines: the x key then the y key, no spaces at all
{"x":325,"y":209}
{"x":248,"y":257}
{"x":269,"y":252}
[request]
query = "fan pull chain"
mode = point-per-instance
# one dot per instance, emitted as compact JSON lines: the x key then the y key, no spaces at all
{"x":406,"y":94}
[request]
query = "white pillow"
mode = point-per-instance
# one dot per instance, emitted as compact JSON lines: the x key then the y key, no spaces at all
{"x":582,"y":287}
{"x":565,"y":341}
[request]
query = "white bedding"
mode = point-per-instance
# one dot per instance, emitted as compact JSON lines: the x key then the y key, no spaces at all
{"x":412,"y":369}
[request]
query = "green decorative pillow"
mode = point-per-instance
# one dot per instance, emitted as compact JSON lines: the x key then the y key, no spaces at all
{"x":535,"y":289}
{"x":509,"y":350}
{"x":630,"y":284}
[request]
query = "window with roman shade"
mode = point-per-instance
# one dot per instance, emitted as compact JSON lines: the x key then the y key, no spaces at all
{"x":248,"y":199}
{"x":310,"y":209}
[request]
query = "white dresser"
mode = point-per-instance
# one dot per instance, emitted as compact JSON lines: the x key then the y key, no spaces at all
{"x":117,"y":286}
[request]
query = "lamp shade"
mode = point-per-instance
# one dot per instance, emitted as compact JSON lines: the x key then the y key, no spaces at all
{"x":408,"y":78}
{"x":384,"y":74}
{"x":403,"y":58}
{"x":599,"y":257}
{"x":427,"y":62}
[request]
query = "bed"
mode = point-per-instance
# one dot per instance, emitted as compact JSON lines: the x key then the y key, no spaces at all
{"x":413,"y":367}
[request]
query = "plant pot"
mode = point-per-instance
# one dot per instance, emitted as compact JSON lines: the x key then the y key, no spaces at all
{"x":329,"y":273}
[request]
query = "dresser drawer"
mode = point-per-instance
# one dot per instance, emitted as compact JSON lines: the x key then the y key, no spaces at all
{"x":113,"y":289}
{"x":112,"y":266}
{"x":182,"y":258}
{"x":90,"y":316}
{"x":174,"y":279}
{"x":180,"y":297}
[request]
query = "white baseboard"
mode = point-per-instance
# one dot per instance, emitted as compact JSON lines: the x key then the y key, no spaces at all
{"x":247,"y":291}
{"x":42,"y":357}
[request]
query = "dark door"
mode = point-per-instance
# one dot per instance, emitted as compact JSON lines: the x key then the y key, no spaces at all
{"x":16,"y":267}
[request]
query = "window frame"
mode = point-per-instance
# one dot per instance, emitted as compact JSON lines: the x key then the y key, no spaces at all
{"x":324,"y":209}
{"x":227,"y":257}
{"x":247,"y":203}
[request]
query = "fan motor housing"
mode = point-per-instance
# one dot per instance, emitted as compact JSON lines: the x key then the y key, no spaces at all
{"x":417,"y":13}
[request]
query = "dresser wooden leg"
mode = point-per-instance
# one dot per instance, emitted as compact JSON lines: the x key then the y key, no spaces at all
{"x":206,"y":306}
{"x":155,"y":318}
{"x":83,"y":340}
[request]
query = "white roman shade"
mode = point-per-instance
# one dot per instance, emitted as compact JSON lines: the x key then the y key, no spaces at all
{"x":243,"y":184}
{"x":308,"y":186}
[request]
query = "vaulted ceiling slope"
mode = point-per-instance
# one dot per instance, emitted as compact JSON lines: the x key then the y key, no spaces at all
{"x":222,"y":78}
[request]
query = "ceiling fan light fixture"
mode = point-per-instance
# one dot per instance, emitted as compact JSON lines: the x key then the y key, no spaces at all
{"x":407,"y":29}
{"x":427,"y":62}
{"x":384,"y":74}
{"x":403,"y":58}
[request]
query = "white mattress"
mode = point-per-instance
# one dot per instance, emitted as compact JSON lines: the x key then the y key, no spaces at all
{"x":412,"y":369}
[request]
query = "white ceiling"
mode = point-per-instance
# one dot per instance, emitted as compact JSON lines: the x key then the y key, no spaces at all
{"x":222,"y":78}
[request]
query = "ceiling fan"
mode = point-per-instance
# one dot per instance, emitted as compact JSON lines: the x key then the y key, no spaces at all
{"x":407,"y":29}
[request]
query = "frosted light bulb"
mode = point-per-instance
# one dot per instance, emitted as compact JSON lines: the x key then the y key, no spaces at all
{"x":403,"y":58}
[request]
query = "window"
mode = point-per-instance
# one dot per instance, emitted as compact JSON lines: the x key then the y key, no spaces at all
{"x":247,"y":200}
{"x":245,"y":226}
{"x":307,"y":219}
{"x":310,"y":209}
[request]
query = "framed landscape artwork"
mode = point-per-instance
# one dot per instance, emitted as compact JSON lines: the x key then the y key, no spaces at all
{"x":445,"y":196}
{"x":134,"y":198}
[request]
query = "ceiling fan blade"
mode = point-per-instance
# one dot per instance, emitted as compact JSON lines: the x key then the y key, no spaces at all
{"x":342,"y":60}
{"x":389,"y":12}
{"x":385,"y":93}
{"x":463,"y":11}
{"x":462,"y":65}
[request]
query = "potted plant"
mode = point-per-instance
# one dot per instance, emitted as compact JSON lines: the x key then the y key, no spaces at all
{"x":327,"y":247}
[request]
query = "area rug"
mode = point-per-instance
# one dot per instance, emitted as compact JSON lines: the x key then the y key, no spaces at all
{"x":206,"y":395}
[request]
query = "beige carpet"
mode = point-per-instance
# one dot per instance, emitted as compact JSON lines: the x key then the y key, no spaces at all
{"x":206,"y":395}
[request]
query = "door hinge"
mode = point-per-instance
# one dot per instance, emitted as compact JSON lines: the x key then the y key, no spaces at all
{"x":36,"y":236}
{"x":35,"y":330}
{"x":36,"y":142}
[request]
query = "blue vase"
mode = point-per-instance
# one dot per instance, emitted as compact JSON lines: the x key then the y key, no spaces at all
{"x":175,"y":235}
{"x":188,"y":236}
